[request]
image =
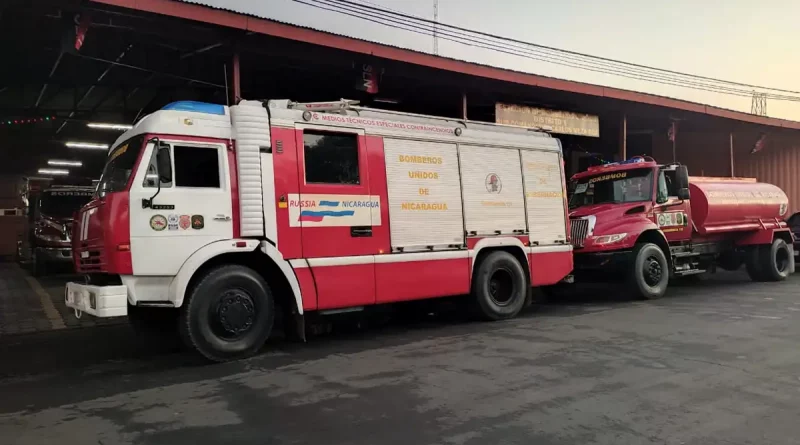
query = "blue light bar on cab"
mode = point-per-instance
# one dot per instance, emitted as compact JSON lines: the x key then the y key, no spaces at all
{"x":196,"y":107}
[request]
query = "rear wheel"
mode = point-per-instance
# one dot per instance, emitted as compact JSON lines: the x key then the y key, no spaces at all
{"x":500,"y":287}
{"x":776,"y":260}
{"x":228,"y":314}
{"x":649,"y":274}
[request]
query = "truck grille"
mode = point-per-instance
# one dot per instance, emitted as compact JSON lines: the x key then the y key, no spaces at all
{"x":579,"y":229}
{"x":94,"y":262}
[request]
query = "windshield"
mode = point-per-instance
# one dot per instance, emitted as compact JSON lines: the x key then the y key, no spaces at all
{"x":62,"y":203}
{"x":120,"y":165}
{"x":615,"y":187}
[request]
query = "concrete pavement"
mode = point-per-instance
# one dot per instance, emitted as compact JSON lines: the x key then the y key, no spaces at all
{"x":716,"y":363}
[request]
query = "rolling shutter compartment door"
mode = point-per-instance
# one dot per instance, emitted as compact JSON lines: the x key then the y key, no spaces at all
{"x":493,"y":193}
{"x":424,"y":194}
{"x":544,"y":195}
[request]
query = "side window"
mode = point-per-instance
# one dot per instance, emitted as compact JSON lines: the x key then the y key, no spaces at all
{"x":672,"y":183}
{"x":662,"y":194}
{"x":196,"y":166}
{"x":151,"y":176}
{"x":331,"y":158}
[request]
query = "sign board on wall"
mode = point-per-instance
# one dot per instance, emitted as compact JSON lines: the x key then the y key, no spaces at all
{"x":562,"y":122}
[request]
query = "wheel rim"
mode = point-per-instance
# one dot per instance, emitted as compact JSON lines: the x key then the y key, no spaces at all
{"x":501,"y":287}
{"x":782,"y":260}
{"x":233,"y":316}
{"x":652,"y":271}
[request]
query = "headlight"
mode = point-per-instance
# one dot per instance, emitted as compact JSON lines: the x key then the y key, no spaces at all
{"x":49,"y":238}
{"x":608,"y":239}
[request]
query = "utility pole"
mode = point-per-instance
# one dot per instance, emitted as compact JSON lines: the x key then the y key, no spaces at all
{"x":435,"y":27}
{"x":759,"y":104}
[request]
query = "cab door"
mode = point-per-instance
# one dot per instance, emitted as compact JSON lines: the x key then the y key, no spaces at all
{"x":672,"y":215}
{"x":190,"y":211}
{"x":336,"y":213}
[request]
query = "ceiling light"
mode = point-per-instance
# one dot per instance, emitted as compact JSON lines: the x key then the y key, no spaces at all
{"x":53,"y":171}
{"x":103,"y":126}
{"x":90,"y":145}
{"x":56,"y":162}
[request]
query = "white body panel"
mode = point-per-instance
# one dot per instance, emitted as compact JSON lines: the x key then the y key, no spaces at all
{"x":545,"y":197}
{"x":182,"y":123}
{"x":333,"y":210}
{"x":162,"y":252}
{"x":424,"y":194}
{"x":268,"y":193}
{"x":494,"y":200}
{"x":251,"y":130}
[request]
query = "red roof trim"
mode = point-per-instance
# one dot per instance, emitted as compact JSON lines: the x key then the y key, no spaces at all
{"x":263,"y":26}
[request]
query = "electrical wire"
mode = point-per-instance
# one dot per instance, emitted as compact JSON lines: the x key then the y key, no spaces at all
{"x":382,"y":9}
{"x":398,"y":20}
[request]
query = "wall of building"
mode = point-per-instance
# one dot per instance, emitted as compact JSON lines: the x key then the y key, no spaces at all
{"x":708,"y":154}
{"x":777,"y":163}
{"x":12,"y":228}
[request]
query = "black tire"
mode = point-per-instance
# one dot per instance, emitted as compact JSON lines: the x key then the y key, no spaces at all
{"x":500,"y":287}
{"x":649,"y":275}
{"x":153,"y":324}
{"x":228,"y":314}
{"x":777,"y":261}
{"x":752,"y":263}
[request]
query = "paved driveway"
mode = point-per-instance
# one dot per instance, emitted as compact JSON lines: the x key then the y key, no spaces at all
{"x":716,"y":363}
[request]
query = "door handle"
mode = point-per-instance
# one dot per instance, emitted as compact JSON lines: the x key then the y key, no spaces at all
{"x":360,"y":231}
{"x":222,"y":218}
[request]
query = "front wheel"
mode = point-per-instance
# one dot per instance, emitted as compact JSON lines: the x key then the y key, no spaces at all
{"x":228,"y":314}
{"x":649,"y":274}
{"x":500,"y":287}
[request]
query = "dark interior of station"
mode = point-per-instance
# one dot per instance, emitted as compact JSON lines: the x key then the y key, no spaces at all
{"x":131,"y":63}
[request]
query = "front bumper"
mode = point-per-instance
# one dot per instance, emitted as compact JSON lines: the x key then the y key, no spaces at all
{"x":100,"y":301}
{"x":54,"y":254}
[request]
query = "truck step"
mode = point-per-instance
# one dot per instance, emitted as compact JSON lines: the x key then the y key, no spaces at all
{"x":686,"y":273}
{"x":685,"y":254}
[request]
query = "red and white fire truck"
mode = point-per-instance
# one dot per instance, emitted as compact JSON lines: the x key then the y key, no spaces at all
{"x":211,"y":218}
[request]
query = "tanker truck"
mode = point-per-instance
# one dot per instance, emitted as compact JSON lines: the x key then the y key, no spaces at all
{"x":646,"y":223}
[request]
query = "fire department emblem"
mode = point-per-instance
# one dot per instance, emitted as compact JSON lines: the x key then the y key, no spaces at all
{"x":158,"y":223}
{"x":197,"y":222}
{"x":185,"y":222}
{"x":493,"y":183}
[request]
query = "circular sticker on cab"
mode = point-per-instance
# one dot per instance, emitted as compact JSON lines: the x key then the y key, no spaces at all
{"x":158,"y":223}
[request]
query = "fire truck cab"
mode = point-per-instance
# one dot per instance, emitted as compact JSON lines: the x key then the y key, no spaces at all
{"x":209,"y":218}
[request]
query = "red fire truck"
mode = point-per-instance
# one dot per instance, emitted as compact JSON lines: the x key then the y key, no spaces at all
{"x":210,"y":218}
{"x":635,"y":220}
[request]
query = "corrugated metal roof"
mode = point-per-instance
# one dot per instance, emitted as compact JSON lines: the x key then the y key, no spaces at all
{"x":238,"y":19}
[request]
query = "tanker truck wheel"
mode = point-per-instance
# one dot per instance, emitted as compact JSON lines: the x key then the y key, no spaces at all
{"x":649,"y":275}
{"x":776,"y":261}
{"x":228,"y":314}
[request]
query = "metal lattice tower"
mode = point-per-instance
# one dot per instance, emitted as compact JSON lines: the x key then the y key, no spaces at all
{"x":759,"y":105}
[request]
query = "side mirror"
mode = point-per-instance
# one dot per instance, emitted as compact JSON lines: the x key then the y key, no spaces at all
{"x":164,"y":163}
{"x":682,"y":177}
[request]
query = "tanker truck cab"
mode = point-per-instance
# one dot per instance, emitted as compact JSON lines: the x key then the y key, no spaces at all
{"x":647,"y":223}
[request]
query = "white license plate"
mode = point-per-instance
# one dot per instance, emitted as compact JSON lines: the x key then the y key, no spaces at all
{"x":84,"y":254}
